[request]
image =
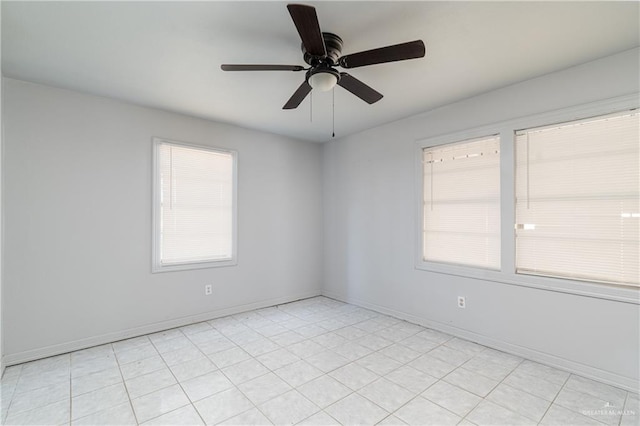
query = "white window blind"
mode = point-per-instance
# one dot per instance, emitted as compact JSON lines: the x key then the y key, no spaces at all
{"x":577,"y":200}
{"x":461,"y":221}
{"x":195,"y":211}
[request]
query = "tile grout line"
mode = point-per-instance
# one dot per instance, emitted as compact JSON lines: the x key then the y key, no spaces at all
{"x":272,"y":372}
{"x":175,"y":378}
{"x":178,"y":381}
{"x":324,"y":373}
{"x":484,"y":398}
{"x":624,"y":404}
{"x":556,"y":397}
{"x":230,"y":381}
{"x":262,"y":375}
{"x":6,"y":416}
{"x":14,"y":393}
{"x":71,"y":389}
{"x":564,"y":386}
{"x":322,"y":410}
{"x":124,"y":384}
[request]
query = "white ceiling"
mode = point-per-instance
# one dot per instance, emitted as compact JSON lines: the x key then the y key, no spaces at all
{"x":167,"y":54}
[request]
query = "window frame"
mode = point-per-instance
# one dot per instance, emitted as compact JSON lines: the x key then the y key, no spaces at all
{"x":507,"y":275}
{"x":516,"y":222}
{"x":453,"y":139}
{"x":156,"y":264}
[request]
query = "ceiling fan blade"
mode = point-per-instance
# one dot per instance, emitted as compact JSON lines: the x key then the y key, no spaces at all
{"x":236,"y":67}
{"x":358,"y":88}
{"x":306,"y":21}
{"x":298,"y":96}
{"x":397,"y":52}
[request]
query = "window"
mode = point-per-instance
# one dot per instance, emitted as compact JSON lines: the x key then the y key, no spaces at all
{"x":577,"y":200}
{"x":461,"y":203}
{"x":194,"y":206}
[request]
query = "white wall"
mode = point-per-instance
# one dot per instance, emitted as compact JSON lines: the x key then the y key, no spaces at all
{"x":2,"y":366}
{"x":370,"y":232}
{"x":77,"y":174}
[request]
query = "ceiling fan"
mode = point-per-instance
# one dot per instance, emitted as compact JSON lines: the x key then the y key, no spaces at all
{"x":322,"y":52}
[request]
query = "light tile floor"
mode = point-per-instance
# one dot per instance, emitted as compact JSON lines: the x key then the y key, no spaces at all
{"x":315,"y":361}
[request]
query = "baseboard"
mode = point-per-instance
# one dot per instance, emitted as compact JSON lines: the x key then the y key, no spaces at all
{"x":521,"y":351}
{"x":62,"y":348}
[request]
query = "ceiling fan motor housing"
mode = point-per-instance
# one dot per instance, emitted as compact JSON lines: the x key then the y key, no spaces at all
{"x":333,"y":46}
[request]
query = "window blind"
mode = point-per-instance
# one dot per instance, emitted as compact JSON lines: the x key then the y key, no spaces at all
{"x":577,"y":200}
{"x":461,"y":221}
{"x":196,"y":204}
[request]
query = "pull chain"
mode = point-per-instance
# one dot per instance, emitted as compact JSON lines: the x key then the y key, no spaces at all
{"x":311,"y":107}
{"x":333,"y":113}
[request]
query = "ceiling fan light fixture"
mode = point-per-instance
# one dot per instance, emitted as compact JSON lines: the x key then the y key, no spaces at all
{"x":323,"y":80}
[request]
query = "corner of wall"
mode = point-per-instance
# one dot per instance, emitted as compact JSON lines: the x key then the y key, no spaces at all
{"x":2,"y":363}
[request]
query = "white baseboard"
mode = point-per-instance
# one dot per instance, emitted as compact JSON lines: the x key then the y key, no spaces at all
{"x":524,"y":352}
{"x":62,"y":348}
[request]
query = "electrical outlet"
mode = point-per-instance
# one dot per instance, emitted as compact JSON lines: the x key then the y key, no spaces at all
{"x":462,"y":302}
{"x":208,"y":290}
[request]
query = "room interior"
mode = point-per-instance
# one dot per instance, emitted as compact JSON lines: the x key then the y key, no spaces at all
{"x":328,"y":196}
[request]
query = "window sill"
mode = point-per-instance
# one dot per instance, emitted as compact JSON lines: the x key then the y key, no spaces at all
{"x":559,"y":285}
{"x":155,"y":268}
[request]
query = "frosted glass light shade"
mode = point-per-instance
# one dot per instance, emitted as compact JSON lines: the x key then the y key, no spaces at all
{"x":323,"y":81}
